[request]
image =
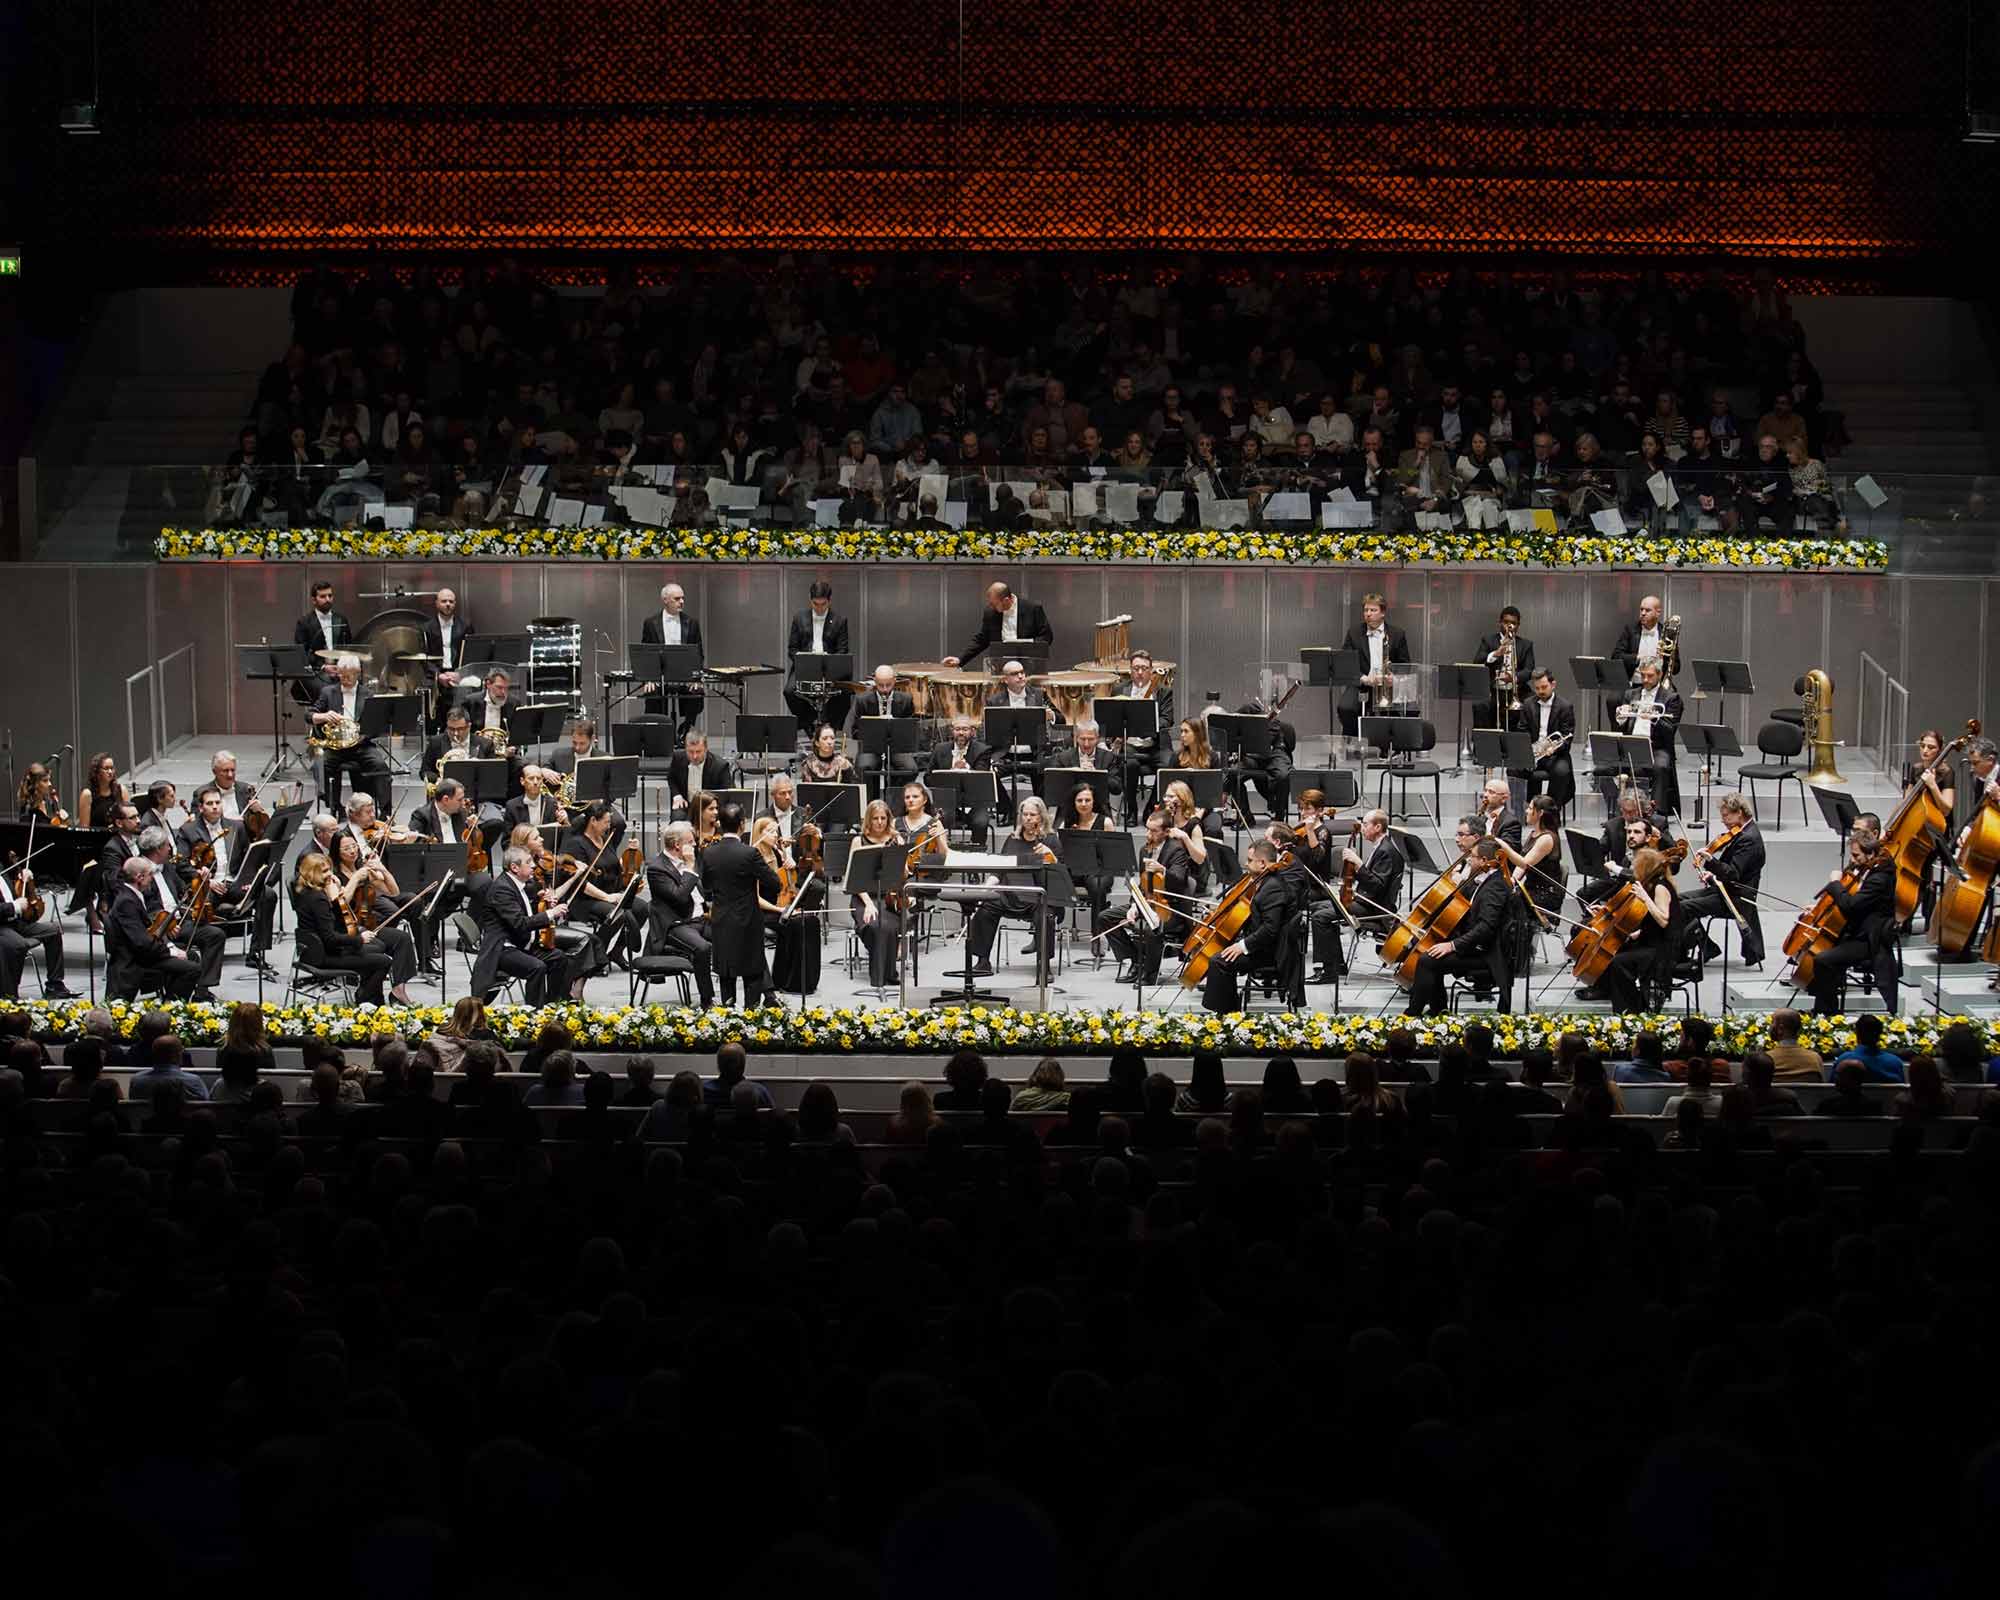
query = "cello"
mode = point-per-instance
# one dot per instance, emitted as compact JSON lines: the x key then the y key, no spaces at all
{"x":1221,"y":924}
{"x":1823,"y":924}
{"x":1621,"y":914}
{"x":1962,"y":901}
{"x":1433,"y":915}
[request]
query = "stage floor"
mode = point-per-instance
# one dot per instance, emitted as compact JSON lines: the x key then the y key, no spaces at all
{"x":1801,"y":854}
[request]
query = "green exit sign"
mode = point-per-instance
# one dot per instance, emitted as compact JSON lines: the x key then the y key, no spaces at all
{"x":10,"y":263}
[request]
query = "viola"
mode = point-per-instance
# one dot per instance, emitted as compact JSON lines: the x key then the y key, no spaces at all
{"x":26,"y":897}
{"x":631,"y":862}
{"x":1716,"y":846}
{"x":1220,"y":926}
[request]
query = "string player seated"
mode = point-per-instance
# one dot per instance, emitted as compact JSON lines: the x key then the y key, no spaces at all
{"x":1261,"y":943}
{"x":1477,"y":947}
{"x":1031,"y":846}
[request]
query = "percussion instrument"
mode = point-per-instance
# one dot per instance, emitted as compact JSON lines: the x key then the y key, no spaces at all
{"x":1114,"y":637}
{"x":555,"y":660}
{"x":1072,"y":692}
{"x":914,"y":679}
{"x":332,"y":657}
{"x":1121,"y":668}
{"x":960,"y":694}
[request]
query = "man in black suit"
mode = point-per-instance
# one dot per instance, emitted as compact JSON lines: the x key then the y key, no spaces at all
{"x":1087,"y":751}
{"x":1140,"y":757}
{"x":508,"y":920}
{"x":732,"y":875}
{"x":1496,"y":816}
{"x":448,"y":819}
{"x":131,"y":951}
{"x":236,"y":795}
{"x":696,"y":769}
{"x":1008,"y":619}
{"x":1478,"y":944}
{"x":673,"y":883}
{"x":1652,"y":707}
{"x":1016,"y":693}
{"x":1271,"y":773}
{"x":671,"y":624}
{"x":321,"y":628}
{"x":536,"y":806}
{"x":1544,"y":716}
{"x":1738,"y":867}
{"x":169,"y":889}
{"x":444,"y":637}
{"x":1261,"y":941}
{"x":457,"y":741}
{"x":121,"y":847}
{"x":1380,"y":645}
{"x":1869,"y":938}
{"x":348,"y":696}
{"x":1378,"y":872}
{"x":884,"y":699}
{"x":1493,"y":651}
{"x":1641,"y":639}
{"x":237,"y":862}
{"x":820,"y":631}
{"x":965,"y":751}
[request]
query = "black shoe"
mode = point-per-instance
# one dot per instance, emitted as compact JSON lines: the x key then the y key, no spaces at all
{"x":203,"y":997}
{"x":982,"y":969}
{"x":1592,"y":993}
{"x":1753,"y":966}
{"x":1710,"y":950}
{"x":1322,"y":975}
{"x":58,"y":991}
{"x":266,"y":971}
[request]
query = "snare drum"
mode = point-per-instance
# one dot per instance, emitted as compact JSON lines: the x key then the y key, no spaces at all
{"x":1072,"y":692}
{"x":914,"y":678}
{"x":960,"y":694}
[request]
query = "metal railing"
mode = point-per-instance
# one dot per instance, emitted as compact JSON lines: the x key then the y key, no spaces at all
{"x":1881,"y":718}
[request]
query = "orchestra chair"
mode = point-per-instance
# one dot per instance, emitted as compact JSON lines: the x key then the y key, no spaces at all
{"x":310,"y":977}
{"x":647,"y":970}
{"x":1783,"y":740}
{"x":1401,"y":773}
{"x":469,"y":938}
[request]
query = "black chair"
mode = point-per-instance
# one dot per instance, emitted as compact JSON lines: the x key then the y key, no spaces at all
{"x":310,"y":977}
{"x":1401,"y":773}
{"x":1783,"y":740}
{"x":469,"y":940}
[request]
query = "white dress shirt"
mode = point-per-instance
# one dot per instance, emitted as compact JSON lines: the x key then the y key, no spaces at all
{"x":670,"y":627}
{"x":326,"y":628}
{"x":229,"y":806}
{"x":1010,"y":624}
{"x":819,"y":634}
{"x":1378,"y":648}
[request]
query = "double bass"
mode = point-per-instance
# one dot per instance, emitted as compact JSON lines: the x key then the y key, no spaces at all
{"x":1620,"y":915}
{"x":1961,"y":902}
{"x":1914,"y":830}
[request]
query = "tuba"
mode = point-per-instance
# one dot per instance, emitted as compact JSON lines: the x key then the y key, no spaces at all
{"x":1816,"y":692}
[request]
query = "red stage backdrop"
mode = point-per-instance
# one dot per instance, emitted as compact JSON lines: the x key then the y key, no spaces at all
{"x":1808,"y":128}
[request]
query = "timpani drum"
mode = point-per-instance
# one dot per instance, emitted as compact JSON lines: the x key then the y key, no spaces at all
{"x":1114,"y":638}
{"x":959,"y":693}
{"x":914,"y":679}
{"x":1071,"y":692}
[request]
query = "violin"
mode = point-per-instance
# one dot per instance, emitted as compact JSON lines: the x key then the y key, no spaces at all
{"x":477,"y":858}
{"x":1823,"y":923}
{"x":773,"y":852}
{"x":1221,"y":924}
{"x":808,"y":860}
{"x":631,"y":862}
{"x":31,"y":905}
{"x":1717,"y":845}
{"x":1617,"y":918}
{"x":546,"y":937}
{"x":166,"y":925}
{"x":1350,"y":871}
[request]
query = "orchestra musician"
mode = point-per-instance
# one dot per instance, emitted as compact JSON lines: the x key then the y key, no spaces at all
{"x":878,"y":927}
{"x":1008,"y":619}
{"x":1538,"y":862}
{"x":594,"y":905}
{"x":733,"y":878}
{"x":37,"y":796}
{"x":1380,"y":646}
{"x":671,"y":624}
{"x":1496,"y":814}
{"x":369,"y":836}
{"x":1014,"y":691}
{"x":884,"y":700}
{"x":784,"y":813}
{"x":1738,"y":865}
{"x":444,"y":637}
{"x":1546,"y":717}
{"x":237,"y":797}
{"x":965,"y":751}
{"x":1378,"y":860}
{"x":1869,"y":936}
{"x":817,"y":630}
{"x":19,"y":935}
{"x":695,"y":769}
{"x":1653,"y":709}
{"x":455,"y":743}
{"x":161,"y":797}
{"x":351,"y":869}
{"x":1131,"y":939}
{"x":795,"y":943}
{"x":1493,"y":651}
{"x":168,"y":890}
{"x":321,"y":628}
{"x":509,"y":918}
{"x":347,"y":696}
{"x":131,"y":949}
{"x":536,"y":806}
{"x":101,"y":790}
{"x":229,"y":886}
{"x":1624,"y":836}
{"x":1942,"y":783}
{"x":1478,"y":946}
{"x":1270,"y":773}
{"x":678,"y":926}
{"x":582,"y":747}
{"x":827,"y":763}
{"x":121,"y":847}
{"x":1642,"y":963}
{"x":1080,"y":814}
{"x":1641,"y":640}
{"x":1260,"y":943}
{"x":1031,"y":846}
{"x":446,"y":818}
{"x":325,"y":942}
{"x":1141,"y":753}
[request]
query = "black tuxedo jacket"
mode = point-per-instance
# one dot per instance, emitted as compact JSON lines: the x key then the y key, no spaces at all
{"x":715,"y":773}
{"x":1397,"y":643}
{"x":319,"y":920}
{"x":1479,"y":932}
{"x":480,"y":746}
{"x":1524,"y":658}
{"x":330,"y":700}
{"x":649,"y":631}
{"x":732,"y":873}
{"x":672,"y":890}
{"x":1562,"y":717}
{"x":1270,"y":906}
{"x":978,"y":755}
{"x":1627,"y":647}
{"x":870,"y":705}
{"x":516,"y":811}
{"x":424,"y":820}
{"x":308,"y":636}
{"x":1664,"y":724}
{"x":434,"y":644}
{"x":1032,"y":624}
{"x":1740,"y":864}
{"x":800,"y":637}
{"x":1380,"y":877}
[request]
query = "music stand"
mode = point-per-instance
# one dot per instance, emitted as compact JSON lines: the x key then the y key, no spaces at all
{"x":1099,"y":854}
{"x":1463,"y":681}
{"x":674,"y":670}
{"x":1840,"y":810}
{"x":1205,"y":783}
{"x":1007,"y":726}
{"x":886,"y":738}
{"x":1235,"y":739}
{"x":279,"y":663}
{"x":609,"y":778}
{"x":486,"y":780}
{"x":760,"y":735}
{"x":831,"y":804}
{"x":1604,"y":675}
{"x":1616,"y":755}
{"x":502,"y":649}
{"x":952,"y":792}
{"x":878,"y":871}
{"x":535,"y":724}
{"x":1031,"y":653}
{"x":1120,"y":718}
{"x":1586,"y":849}
{"x":1720,"y":678}
{"x":1709,"y":740}
{"x":1060,"y":783}
{"x":1509,"y":749}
